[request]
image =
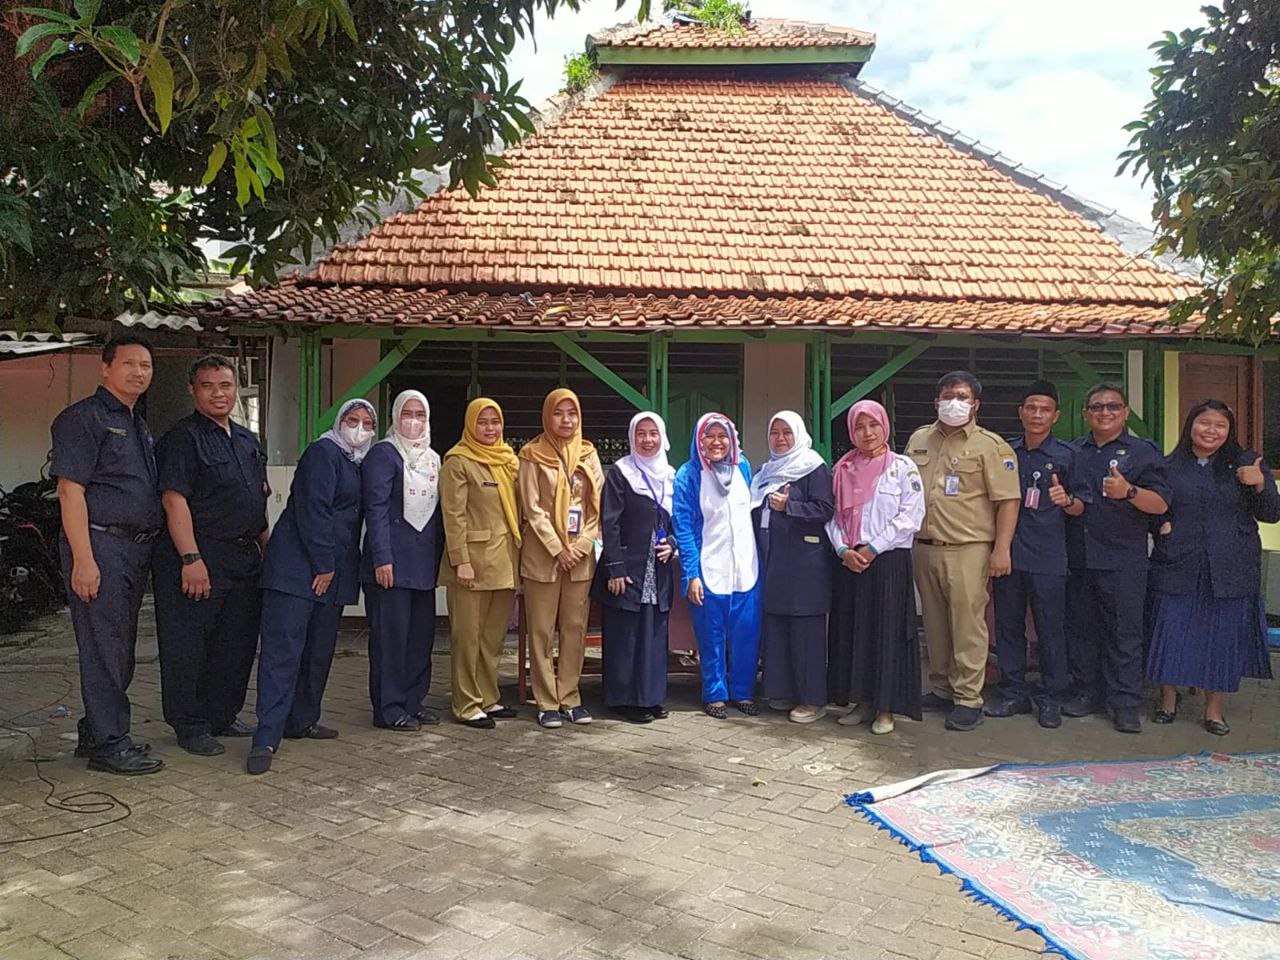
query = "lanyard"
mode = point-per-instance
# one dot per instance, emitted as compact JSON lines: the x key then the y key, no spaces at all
{"x":657,"y":498}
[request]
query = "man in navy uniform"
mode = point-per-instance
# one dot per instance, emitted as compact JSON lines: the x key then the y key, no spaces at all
{"x":102,"y":457}
{"x":212,"y":479}
{"x":1039,"y":576}
{"x":1107,"y":556}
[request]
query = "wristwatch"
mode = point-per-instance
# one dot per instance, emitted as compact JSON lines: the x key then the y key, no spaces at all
{"x":189,"y":558}
{"x":1131,"y":492}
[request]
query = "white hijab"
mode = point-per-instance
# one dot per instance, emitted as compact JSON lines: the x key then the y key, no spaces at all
{"x":649,"y":476}
{"x":781,"y":469}
{"x":334,"y":433}
{"x":421,"y":463}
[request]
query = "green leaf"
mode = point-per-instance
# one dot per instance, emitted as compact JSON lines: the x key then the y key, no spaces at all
{"x":343,"y":13}
{"x":268,"y":131}
{"x":100,"y":83}
{"x":87,"y":10}
{"x":15,"y":222}
{"x":46,"y":14}
{"x":160,"y":79}
{"x":54,"y":49}
{"x":217,"y":158}
{"x":124,"y":40}
{"x":33,"y":34}
{"x":242,"y":179}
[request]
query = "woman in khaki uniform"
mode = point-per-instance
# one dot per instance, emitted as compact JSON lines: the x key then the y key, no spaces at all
{"x":560,"y":486}
{"x":482,"y":534}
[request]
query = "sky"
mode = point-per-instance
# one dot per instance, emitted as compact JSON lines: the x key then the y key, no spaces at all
{"x":1050,"y":85}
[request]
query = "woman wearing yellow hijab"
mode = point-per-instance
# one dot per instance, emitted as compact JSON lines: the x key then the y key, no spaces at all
{"x":482,"y":534}
{"x":560,"y":485}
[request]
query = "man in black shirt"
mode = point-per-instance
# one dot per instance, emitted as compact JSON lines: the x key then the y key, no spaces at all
{"x":208,"y":603}
{"x":102,"y":457}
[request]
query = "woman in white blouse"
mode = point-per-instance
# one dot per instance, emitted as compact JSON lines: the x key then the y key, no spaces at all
{"x":873,"y":656}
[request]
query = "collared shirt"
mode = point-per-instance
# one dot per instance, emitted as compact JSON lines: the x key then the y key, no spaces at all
{"x":1040,"y":541}
{"x":965,"y":473}
{"x":1112,"y":534}
{"x":223,"y":478}
{"x":106,"y":448}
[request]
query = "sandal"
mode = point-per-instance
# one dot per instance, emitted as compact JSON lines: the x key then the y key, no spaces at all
{"x":1164,"y":716}
{"x":1219,"y":728}
{"x":715,"y":710}
{"x":748,"y":707}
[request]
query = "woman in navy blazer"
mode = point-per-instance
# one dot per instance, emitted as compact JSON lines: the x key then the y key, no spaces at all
{"x":403,"y":541}
{"x":633,"y":583}
{"x":309,"y":573}
{"x":1204,"y":612}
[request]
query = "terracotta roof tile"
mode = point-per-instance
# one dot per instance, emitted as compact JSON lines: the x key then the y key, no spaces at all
{"x":762,"y":32}
{"x":741,"y":183}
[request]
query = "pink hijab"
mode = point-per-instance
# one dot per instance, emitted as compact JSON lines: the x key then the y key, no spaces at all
{"x":856,"y":475}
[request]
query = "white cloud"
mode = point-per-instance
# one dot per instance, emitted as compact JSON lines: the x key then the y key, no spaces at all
{"x":1050,"y":85}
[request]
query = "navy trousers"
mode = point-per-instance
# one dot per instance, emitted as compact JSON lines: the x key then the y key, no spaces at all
{"x":106,"y":630}
{"x":1105,"y":612}
{"x":633,"y":653}
{"x":1047,"y":595}
{"x":298,"y":639}
{"x":795,"y":658}
{"x":402,"y":632}
{"x":206,"y":651}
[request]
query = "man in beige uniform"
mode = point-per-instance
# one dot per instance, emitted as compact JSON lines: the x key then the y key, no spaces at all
{"x":971,"y":493}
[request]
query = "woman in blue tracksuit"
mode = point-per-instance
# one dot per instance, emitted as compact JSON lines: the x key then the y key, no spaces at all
{"x":403,"y":542}
{"x":309,"y":573}
{"x":720,"y":569}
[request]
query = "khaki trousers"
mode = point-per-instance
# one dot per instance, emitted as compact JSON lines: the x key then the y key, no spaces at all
{"x":477,"y":629}
{"x":566,"y":604}
{"x":953,"y":600}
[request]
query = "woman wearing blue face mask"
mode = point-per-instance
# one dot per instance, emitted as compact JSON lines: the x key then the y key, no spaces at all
{"x":309,"y":573}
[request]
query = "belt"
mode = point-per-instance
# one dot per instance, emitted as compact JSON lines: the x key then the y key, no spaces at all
{"x":127,"y":533}
{"x":937,"y":543}
{"x":246,"y":541}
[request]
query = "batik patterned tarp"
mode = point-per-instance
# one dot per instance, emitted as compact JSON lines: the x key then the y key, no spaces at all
{"x":1141,"y":860}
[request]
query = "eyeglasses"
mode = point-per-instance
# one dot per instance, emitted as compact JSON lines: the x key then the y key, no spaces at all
{"x":1112,"y":407}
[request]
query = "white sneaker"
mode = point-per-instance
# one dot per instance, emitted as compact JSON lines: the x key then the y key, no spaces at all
{"x":856,"y":717}
{"x":806,"y":714}
{"x":882,"y":726}
{"x":777,"y":703}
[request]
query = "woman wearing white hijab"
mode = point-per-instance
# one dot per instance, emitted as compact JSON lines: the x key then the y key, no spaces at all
{"x":791,"y":502}
{"x":633,"y":580}
{"x":403,"y":543}
{"x":310,"y":571}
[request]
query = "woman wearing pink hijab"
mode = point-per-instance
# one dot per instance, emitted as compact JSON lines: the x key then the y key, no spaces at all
{"x":873,"y":656}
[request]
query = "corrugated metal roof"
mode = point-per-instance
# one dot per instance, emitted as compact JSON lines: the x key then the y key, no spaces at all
{"x":14,"y":344}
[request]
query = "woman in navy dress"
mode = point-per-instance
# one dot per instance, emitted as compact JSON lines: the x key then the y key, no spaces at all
{"x":633,"y":580}
{"x":403,"y":542}
{"x":309,"y":573}
{"x":791,"y":502}
{"x":1205,"y":614}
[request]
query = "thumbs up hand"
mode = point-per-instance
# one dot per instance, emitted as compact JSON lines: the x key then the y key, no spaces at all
{"x":1058,"y":493}
{"x":778,"y":499}
{"x":1115,"y":486}
{"x":1251,"y":476}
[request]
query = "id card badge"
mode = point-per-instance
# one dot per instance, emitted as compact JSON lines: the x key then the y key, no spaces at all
{"x":575,"y":521}
{"x":764,"y":515}
{"x":1032,"y":502}
{"x":952,"y":485}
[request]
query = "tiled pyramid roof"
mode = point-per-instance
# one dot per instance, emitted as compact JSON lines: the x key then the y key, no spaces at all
{"x":756,"y":33}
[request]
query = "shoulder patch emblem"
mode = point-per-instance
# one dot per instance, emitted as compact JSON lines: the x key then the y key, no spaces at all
{"x":915,"y":483}
{"x":1008,"y":464}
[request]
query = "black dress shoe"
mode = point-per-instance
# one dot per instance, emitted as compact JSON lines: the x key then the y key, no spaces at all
{"x":404,"y":724}
{"x":503,"y":712}
{"x":427,"y":717}
{"x":1006,"y":707}
{"x":931,"y":701}
{"x":963,"y":718}
{"x":83,"y":751}
{"x":259,"y":760}
{"x":1081,"y":705}
{"x":483,"y":722}
{"x":314,"y":732}
{"x":635,"y":714}
{"x":1126,"y":720}
{"x":202,"y":745}
{"x":236,"y":728}
{"x":658,"y":712}
{"x":1049,"y":715}
{"x":127,"y":763}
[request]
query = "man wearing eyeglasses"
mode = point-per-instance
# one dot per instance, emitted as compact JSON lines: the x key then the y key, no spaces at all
{"x":1107,"y":560}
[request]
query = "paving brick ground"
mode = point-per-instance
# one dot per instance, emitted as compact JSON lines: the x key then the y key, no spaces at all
{"x":687,"y":838}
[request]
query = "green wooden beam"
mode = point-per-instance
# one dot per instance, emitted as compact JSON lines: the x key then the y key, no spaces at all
{"x":376,"y":374}
{"x":731,"y":56}
{"x":602,"y":372}
{"x":311,"y":360}
{"x":887,"y":370}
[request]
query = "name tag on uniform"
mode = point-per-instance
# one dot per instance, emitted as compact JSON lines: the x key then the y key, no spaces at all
{"x":575,"y":521}
{"x":488,"y":483}
{"x":812,"y":540}
{"x":951,"y":486}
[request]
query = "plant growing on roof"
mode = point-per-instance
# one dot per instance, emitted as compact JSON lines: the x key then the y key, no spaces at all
{"x":1209,"y":143}
{"x":724,"y":15}
{"x":580,"y":71}
{"x":133,"y":130}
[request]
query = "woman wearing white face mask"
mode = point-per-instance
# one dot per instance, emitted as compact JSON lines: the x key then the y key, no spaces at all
{"x":309,"y":573}
{"x":403,"y":543}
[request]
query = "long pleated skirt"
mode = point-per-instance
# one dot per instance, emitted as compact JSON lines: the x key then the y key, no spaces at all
{"x":1199,"y":640}
{"x":873,"y":654}
{"x":633,"y":650}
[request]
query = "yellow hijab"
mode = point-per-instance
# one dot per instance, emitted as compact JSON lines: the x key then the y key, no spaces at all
{"x":572,"y":455}
{"x":498,"y":457}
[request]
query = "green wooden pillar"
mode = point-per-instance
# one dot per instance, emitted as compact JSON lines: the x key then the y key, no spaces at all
{"x":658,"y":383}
{"x":312,"y":358}
{"x":818,"y":357}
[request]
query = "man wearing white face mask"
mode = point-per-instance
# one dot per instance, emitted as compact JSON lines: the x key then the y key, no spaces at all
{"x":971,"y":490}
